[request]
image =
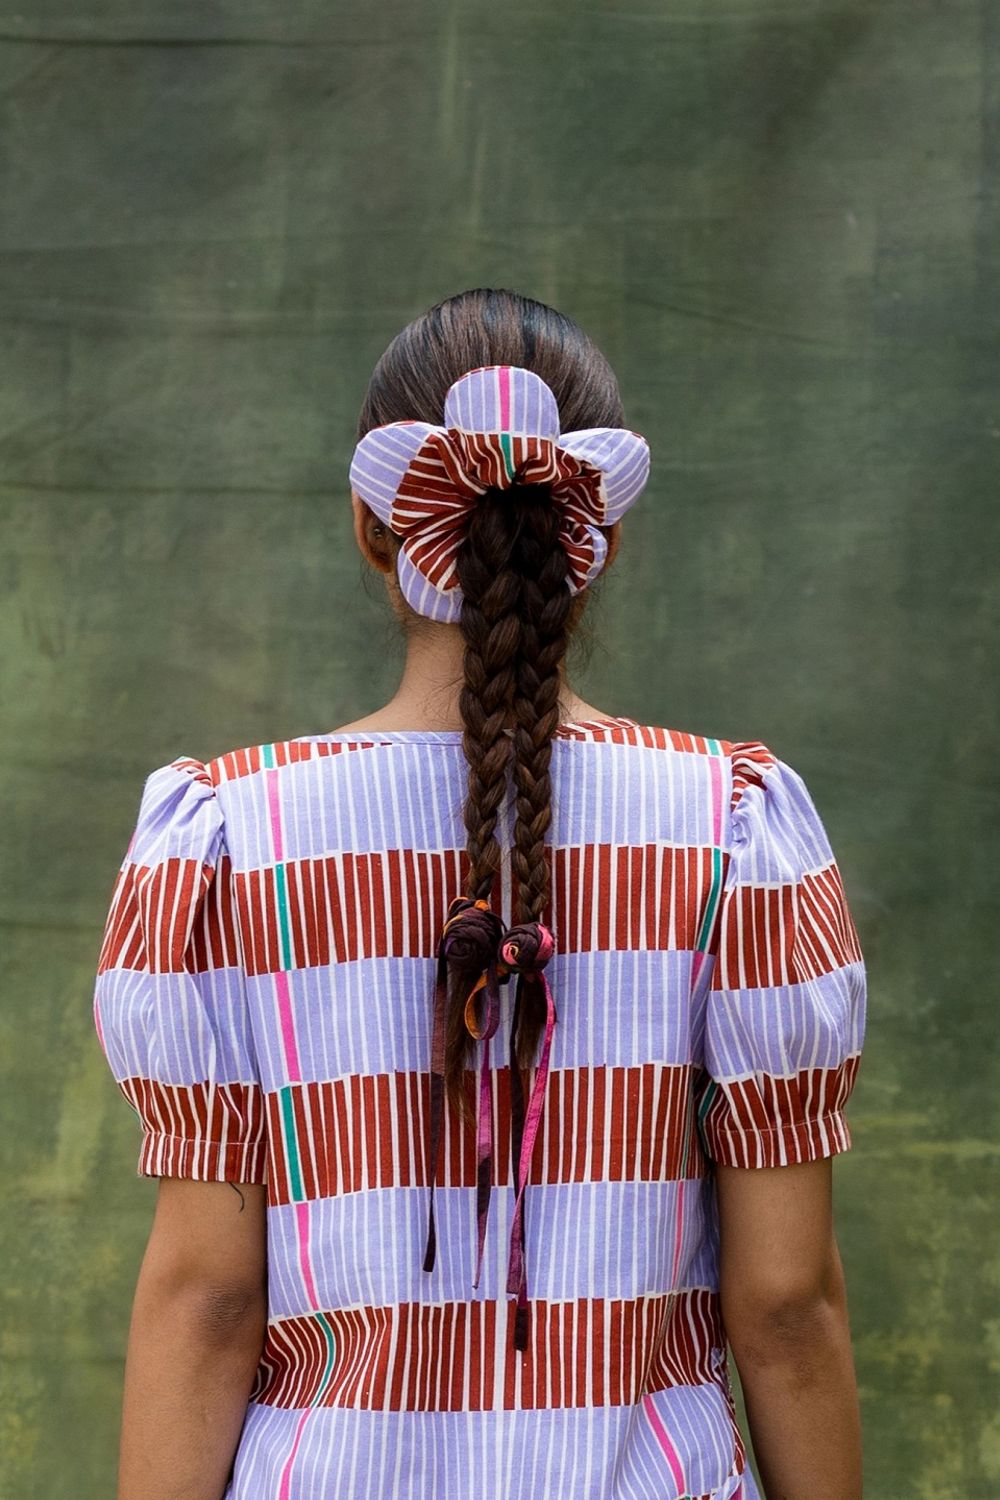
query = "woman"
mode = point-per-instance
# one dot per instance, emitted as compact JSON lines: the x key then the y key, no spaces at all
{"x":385,"y":1261}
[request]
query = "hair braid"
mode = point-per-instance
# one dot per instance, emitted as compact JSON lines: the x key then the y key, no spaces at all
{"x":491,"y":627}
{"x":545,"y":609}
{"x":515,"y":620}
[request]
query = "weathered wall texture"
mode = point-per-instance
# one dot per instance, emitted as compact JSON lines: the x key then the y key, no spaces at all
{"x":781,"y":220}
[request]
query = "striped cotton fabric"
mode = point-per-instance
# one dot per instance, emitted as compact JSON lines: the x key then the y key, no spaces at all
{"x":263,"y":999}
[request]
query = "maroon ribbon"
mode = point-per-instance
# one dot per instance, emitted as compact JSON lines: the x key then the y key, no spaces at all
{"x":470,"y":929}
{"x":526,"y":949}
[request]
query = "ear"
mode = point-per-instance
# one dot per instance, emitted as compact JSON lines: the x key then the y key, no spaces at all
{"x":613,"y":533}
{"x":373,"y":547}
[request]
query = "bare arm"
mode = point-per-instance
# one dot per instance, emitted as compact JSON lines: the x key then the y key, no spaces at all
{"x":195,"y":1338}
{"x":784,"y":1304}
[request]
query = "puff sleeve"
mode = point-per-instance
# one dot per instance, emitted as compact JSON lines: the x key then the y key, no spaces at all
{"x":170,"y":1002}
{"x":780,"y":1022}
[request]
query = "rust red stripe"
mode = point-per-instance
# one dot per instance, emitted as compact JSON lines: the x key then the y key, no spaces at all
{"x":649,"y":894}
{"x":765,"y":1121}
{"x":346,"y":1127}
{"x":660,"y":1341}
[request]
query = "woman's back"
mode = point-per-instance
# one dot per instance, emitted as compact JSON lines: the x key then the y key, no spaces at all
{"x":285,"y":902}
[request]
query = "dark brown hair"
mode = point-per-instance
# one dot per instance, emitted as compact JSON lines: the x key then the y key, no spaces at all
{"x":517,"y":611}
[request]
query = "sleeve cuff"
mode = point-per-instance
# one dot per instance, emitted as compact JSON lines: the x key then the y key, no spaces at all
{"x":202,"y":1161}
{"x":784,"y":1145}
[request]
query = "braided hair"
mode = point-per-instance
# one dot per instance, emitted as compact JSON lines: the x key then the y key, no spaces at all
{"x":517,"y":617}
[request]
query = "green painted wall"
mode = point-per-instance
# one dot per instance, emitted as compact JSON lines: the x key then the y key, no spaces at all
{"x":781,"y":221}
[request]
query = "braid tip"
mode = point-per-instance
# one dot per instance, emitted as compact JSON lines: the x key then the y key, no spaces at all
{"x":430,"y":1253}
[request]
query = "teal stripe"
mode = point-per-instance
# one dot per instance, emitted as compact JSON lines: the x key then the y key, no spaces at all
{"x":715,"y":889}
{"x":267,"y":755}
{"x":714,"y":896}
{"x":291,"y":1143}
{"x":324,"y":1323}
{"x":711,"y":1089}
{"x":281,"y":891}
{"x":687,"y":1143}
{"x":507,"y":449}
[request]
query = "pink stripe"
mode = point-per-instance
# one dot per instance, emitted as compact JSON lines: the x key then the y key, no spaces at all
{"x":503,"y":378}
{"x":302,"y":1220}
{"x":715,"y":770}
{"x":272,"y":802}
{"x":283,"y":1491}
{"x":665,"y":1443}
{"x":484,"y":1148}
{"x":516,"y":1273}
{"x":281,"y":978}
{"x":287,"y":1026}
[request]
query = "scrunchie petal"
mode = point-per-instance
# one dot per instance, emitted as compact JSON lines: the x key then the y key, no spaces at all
{"x":621,"y":457}
{"x":586,"y":548}
{"x":437,"y":601}
{"x":381,"y":461}
{"x":502,"y":399}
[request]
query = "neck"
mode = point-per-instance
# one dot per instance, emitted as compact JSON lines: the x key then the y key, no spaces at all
{"x":428,"y":693}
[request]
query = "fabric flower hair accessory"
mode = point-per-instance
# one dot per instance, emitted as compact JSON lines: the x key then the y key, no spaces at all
{"x":501,"y":428}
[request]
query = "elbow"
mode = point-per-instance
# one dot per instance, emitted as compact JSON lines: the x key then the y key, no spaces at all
{"x":796,"y":1346}
{"x":799,"y":1320}
{"x":221,"y":1317}
{"x":797,"y":1330}
{"x":227,"y":1314}
{"x":214,"y":1313}
{"x":790,"y":1318}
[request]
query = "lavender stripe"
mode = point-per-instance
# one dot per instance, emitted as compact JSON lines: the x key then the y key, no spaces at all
{"x":177,"y":1028}
{"x":591,"y":1453}
{"x":367,"y":1247}
{"x":616,"y":1009}
{"x":396,"y":796}
{"x":815,"y":1024}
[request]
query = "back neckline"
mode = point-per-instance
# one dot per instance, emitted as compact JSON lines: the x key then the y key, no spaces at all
{"x":570,"y":729}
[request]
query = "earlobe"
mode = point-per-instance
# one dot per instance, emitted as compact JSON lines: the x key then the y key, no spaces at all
{"x":367,"y":527}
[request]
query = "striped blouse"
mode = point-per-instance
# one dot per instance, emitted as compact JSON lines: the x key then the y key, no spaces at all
{"x":263,"y":999}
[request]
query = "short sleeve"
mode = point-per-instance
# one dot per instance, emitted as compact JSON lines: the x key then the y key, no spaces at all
{"x":170,"y":999}
{"x":780,"y":1022}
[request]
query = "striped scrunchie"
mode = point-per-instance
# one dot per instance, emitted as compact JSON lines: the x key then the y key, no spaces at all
{"x":501,"y":428}
{"x":476,"y":942}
